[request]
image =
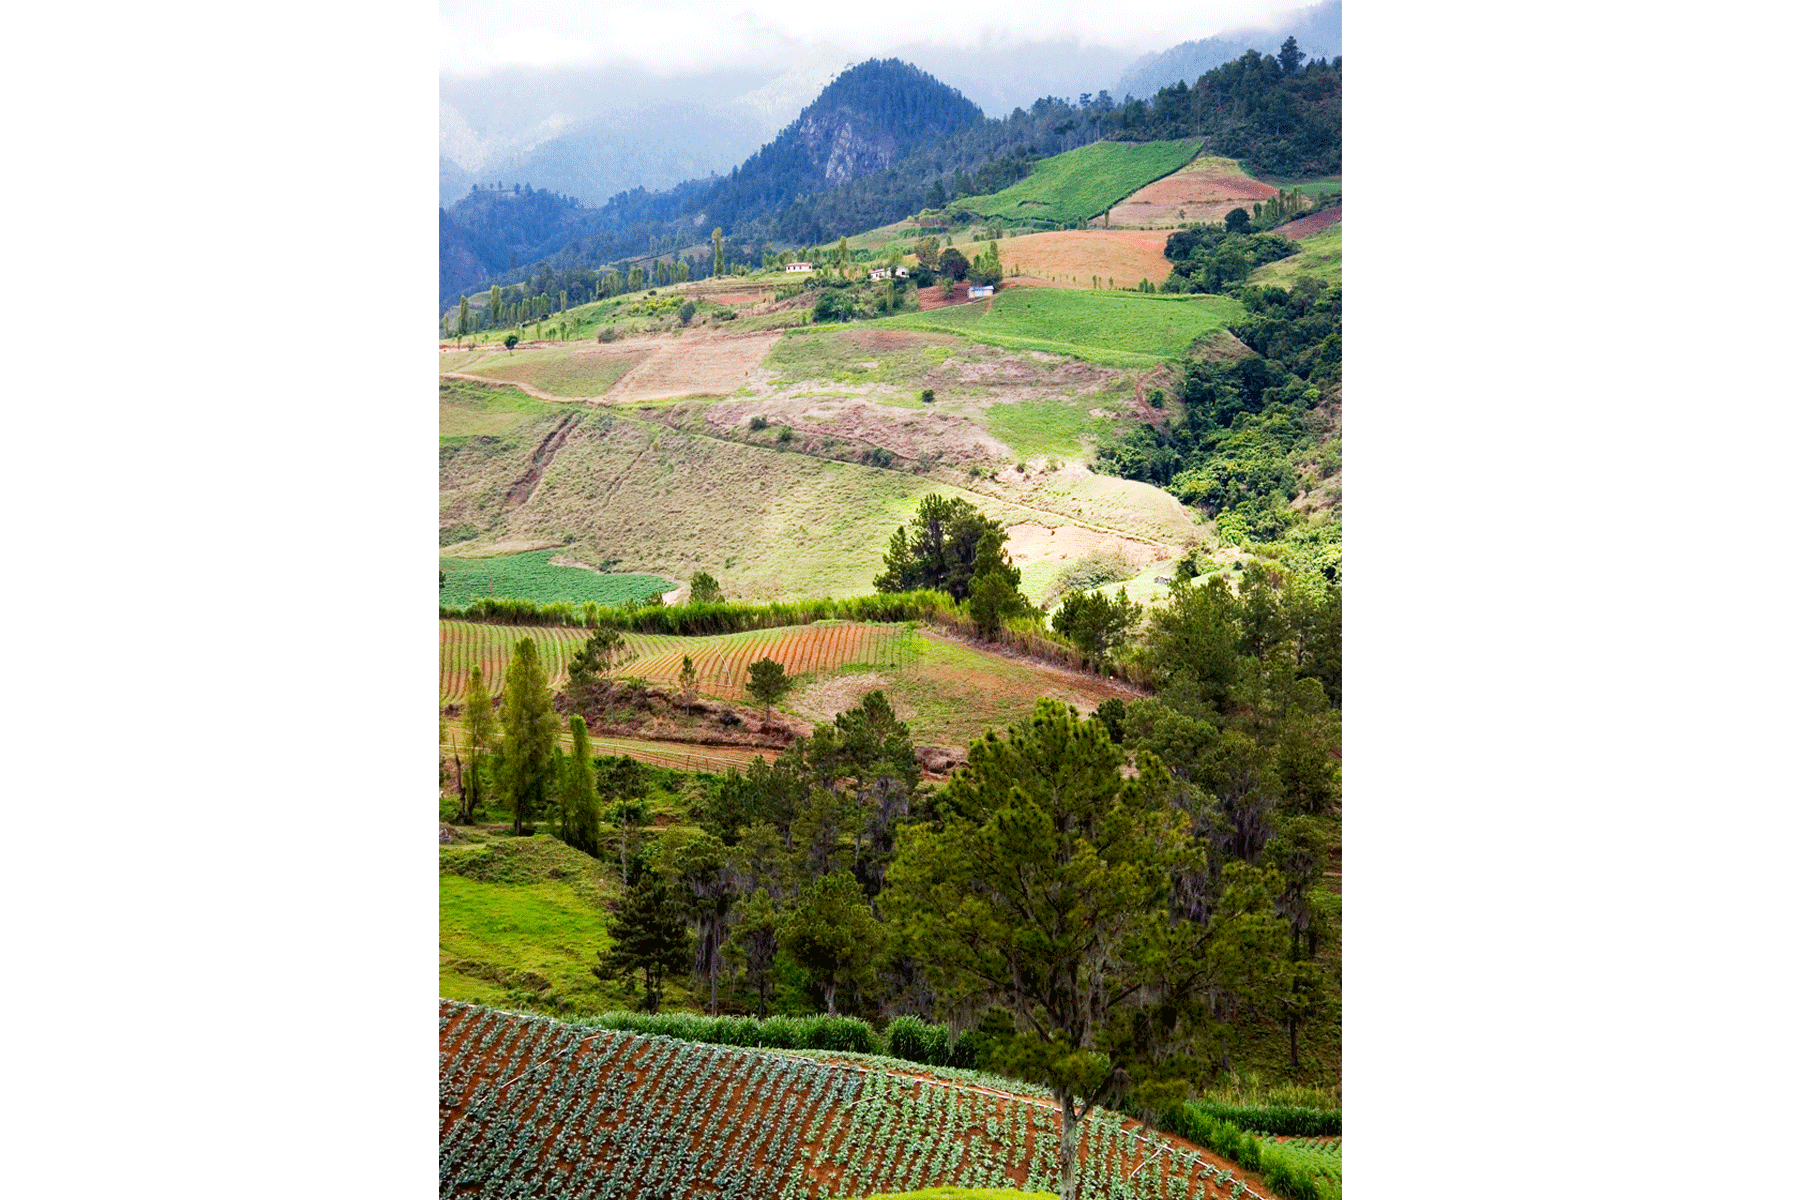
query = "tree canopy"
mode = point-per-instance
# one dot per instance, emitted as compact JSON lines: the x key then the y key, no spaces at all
{"x":937,"y":549}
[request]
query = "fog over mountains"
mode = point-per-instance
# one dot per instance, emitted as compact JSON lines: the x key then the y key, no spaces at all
{"x":594,"y":132}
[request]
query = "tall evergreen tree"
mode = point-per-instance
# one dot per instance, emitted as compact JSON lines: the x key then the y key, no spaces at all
{"x":718,"y":251}
{"x":478,"y":715}
{"x":529,"y":722}
{"x":580,"y":799}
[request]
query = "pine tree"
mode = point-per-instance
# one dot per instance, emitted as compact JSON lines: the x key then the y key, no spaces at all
{"x":649,"y":934}
{"x":462,"y":318}
{"x":718,"y":251}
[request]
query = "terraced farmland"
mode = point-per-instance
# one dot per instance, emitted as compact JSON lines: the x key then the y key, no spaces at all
{"x":464,"y":644}
{"x":722,"y":663}
{"x":530,"y":1106}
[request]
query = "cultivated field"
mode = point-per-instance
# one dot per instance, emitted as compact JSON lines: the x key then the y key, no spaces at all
{"x":1070,"y":188}
{"x":630,"y":371}
{"x":464,"y":645}
{"x":569,"y":371}
{"x":530,"y":1106}
{"x":1073,"y":258}
{"x":722,"y":663}
{"x":1203,"y":190}
{"x":539,"y":576}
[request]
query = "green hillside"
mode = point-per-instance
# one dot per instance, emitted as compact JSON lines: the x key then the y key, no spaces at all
{"x":1116,"y":329}
{"x":1074,"y":187}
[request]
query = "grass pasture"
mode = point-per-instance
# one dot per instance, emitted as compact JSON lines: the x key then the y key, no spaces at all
{"x":524,"y":1099}
{"x":1083,"y":183}
{"x":1115,"y":329}
{"x":533,"y":576}
{"x":1321,"y":257}
{"x":468,"y":410}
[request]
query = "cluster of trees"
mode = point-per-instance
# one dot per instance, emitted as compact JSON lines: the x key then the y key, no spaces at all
{"x":1264,"y":108}
{"x":1114,"y":931}
{"x":1276,"y":113}
{"x":1211,"y":257}
{"x":1249,"y":426}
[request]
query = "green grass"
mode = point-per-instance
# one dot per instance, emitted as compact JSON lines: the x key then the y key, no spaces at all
{"x":469,"y":410}
{"x":1321,"y":256}
{"x":835,"y":353}
{"x":1074,"y":187}
{"x":532,"y":577}
{"x":1115,"y":329}
{"x":1040,"y":427}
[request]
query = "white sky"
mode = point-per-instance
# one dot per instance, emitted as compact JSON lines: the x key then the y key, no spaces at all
{"x":477,"y":38}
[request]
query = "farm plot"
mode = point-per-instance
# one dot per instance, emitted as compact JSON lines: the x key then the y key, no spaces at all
{"x":1115,"y":329}
{"x":722,"y":663}
{"x":1074,"y":258}
{"x":463,"y":645}
{"x":534,"y":1106}
{"x":572,"y":371}
{"x":1204,"y":190}
{"x":695,"y":364}
{"x":1070,"y":188}
{"x":537,"y":576}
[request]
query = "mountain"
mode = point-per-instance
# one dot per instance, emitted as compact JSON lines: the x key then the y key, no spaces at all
{"x":1319,"y":30}
{"x":592,"y":134}
{"x":868,"y":118}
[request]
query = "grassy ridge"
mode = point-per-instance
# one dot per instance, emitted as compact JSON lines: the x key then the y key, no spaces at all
{"x":1074,"y":187}
{"x":531,"y":576}
{"x":1117,"y":329}
{"x":1321,"y":257}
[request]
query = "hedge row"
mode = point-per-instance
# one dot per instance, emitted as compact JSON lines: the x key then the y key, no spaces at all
{"x":1287,"y":1175}
{"x":700,"y":620}
{"x":907,"y":1037}
{"x":1280,"y":1120}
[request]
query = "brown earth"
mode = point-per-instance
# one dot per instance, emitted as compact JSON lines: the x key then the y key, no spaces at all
{"x":696,"y":364}
{"x":1029,"y":543}
{"x":637,"y":711}
{"x":1311,"y":223}
{"x":1203,"y":191}
{"x":1070,"y":258}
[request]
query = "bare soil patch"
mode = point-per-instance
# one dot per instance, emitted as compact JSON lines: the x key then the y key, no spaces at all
{"x":1311,"y":223}
{"x":1071,"y":258}
{"x":1029,"y":543}
{"x":933,"y":296}
{"x":1203,"y":191}
{"x":653,"y":713}
{"x":696,"y":364}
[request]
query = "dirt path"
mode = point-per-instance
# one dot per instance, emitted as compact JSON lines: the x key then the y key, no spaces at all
{"x":540,"y":460}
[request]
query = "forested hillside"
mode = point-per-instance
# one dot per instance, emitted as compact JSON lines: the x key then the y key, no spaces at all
{"x":1277,"y":114}
{"x":867,"y":119}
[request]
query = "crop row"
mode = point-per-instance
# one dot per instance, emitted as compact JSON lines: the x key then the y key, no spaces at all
{"x":530,"y":1106}
{"x":463,"y":644}
{"x":722,"y":663}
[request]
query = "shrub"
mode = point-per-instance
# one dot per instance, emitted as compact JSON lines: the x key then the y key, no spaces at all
{"x":758,"y":424}
{"x":785,"y":434}
{"x":686,"y":312}
{"x":929,"y":395}
{"x":607,"y":333}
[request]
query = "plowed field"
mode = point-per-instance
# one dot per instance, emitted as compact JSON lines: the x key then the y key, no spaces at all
{"x":528,"y":1106}
{"x":1073,"y":257}
{"x":723,"y":662}
{"x":464,"y":644}
{"x":694,"y":364}
{"x":1204,"y":190}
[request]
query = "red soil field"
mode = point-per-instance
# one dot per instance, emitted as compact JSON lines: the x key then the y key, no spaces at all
{"x":1070,"y":258}
{"x":1203,"y":193}
{"x":1312,"y":223}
